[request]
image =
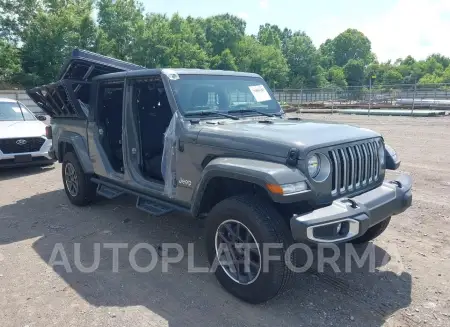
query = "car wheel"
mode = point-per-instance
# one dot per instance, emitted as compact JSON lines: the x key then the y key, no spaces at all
{"x":237,"y":230}
{"x":373,"y":232}
{"x":78,"y":186}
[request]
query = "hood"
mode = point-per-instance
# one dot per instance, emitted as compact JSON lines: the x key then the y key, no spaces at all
{"x":14,"y":129}
{"x":280,"y":135}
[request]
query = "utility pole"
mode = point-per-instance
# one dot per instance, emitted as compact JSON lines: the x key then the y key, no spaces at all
{"x":333,"y":96}
{"x":370,"y":92}
{"x":370,"y":95}
{"x":414,"y":96}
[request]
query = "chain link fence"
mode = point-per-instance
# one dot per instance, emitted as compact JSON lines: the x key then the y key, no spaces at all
{"x":432,"y":96}
{"x":403,"y":96}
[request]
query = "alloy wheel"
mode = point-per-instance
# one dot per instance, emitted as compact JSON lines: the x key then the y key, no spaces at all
{"x":237,"y":252}
{"x":71,"y":179}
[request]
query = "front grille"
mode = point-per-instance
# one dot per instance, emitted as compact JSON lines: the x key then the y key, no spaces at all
{"x":21,"y":144}
{"x":354,"y":167}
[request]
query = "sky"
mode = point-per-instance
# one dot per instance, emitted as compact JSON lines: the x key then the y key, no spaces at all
{"x":396,"y":28}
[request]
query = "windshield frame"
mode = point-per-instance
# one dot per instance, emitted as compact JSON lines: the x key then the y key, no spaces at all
{"x":23,"y":109}
{"x":277,"y":112}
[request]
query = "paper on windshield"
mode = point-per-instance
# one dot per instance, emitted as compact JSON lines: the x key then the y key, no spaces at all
{"x":260,"y":93}
{"x":16,"y":109}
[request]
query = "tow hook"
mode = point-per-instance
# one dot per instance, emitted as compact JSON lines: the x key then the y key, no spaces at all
{"x":399,"y":185}
{"x":353,"y":204}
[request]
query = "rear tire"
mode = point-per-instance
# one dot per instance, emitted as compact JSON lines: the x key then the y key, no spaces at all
{"x":373,"y":232}
{"x":258,"y":220}
{"x":77,"y":184}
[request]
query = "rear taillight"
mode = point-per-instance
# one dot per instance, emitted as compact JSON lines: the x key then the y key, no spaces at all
{"x":48,"y":132}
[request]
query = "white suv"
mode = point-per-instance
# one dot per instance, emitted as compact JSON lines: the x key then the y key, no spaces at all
{"x":23,"y":137}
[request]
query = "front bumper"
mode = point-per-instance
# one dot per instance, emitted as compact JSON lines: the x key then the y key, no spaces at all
{"x":348,"y":218}
{"x":41,"y":157}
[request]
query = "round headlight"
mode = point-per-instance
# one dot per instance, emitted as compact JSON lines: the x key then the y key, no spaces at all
{"x":319,"y":167}
{"x":314,"y":166}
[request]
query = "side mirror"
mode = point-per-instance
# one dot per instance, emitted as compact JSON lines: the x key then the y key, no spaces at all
{"x":41,"y":118}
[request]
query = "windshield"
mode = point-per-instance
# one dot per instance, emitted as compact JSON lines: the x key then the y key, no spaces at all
{"x":197,"y":93}
{"x":15,"y":111}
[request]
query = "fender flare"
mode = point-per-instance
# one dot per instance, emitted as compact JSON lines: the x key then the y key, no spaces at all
{"x":79,"y":144}
{"x":257,"y":172}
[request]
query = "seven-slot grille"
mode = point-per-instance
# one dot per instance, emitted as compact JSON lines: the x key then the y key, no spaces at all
{"x":355,"y":166}
{"x":21,"y":144}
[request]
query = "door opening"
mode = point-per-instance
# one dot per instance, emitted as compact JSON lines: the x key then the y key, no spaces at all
{"x":154,"y":115}
{"x":110,"y":122}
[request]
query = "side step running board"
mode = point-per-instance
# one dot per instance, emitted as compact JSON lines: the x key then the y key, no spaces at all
{"x":108,"y":192}
{"x":154,"y":207}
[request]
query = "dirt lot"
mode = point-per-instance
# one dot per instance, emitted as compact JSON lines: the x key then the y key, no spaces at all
{"x":411,"y":286}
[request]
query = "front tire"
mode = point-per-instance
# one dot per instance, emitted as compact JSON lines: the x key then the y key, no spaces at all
{"x":373,"y":232}
{"x":77,"y":184}
{"x":247,"y":219}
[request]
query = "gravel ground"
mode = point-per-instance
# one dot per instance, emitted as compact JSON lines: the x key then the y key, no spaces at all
{"x":410,"y":286}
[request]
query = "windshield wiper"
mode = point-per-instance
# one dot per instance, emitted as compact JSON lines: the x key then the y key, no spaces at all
{"x":243,"y":111}
{"x":209,"y":113}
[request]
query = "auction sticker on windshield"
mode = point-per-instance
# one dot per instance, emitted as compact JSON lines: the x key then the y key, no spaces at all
{"x":16,"y":109}
{"x":260,"y":93}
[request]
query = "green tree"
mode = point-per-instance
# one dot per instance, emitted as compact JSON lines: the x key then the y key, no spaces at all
{"x":224,"y":32}
{"x":268,"y":61}
{"x":303,"y":60}
{"x":326,"y":54}
{"x":408,"y":61}
{"x":39,"y":34}
{"x":446,"y":75}
{"x":50,"y":38}
{"x":375,"y":71}
{"x":270,"y":35}
{"x":225,"y":61}
{"x":273,"y":66}
{"x":391,"y":77}
{"x":350,"y":44}
{"x":121,"y":22}
{"x":153,"y":46}
{"x":443,"y":60}
{"x":185,"y":51}
{"x":15,"y":17}
{"x":430,"y":79}
{"x":433,"y":66}
{"x":9,"y":62}
{"x":336,"y":77}
{"x":354,"y":72}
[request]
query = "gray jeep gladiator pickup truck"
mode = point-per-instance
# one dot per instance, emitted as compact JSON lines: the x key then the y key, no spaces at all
{"x":218,"y":145}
